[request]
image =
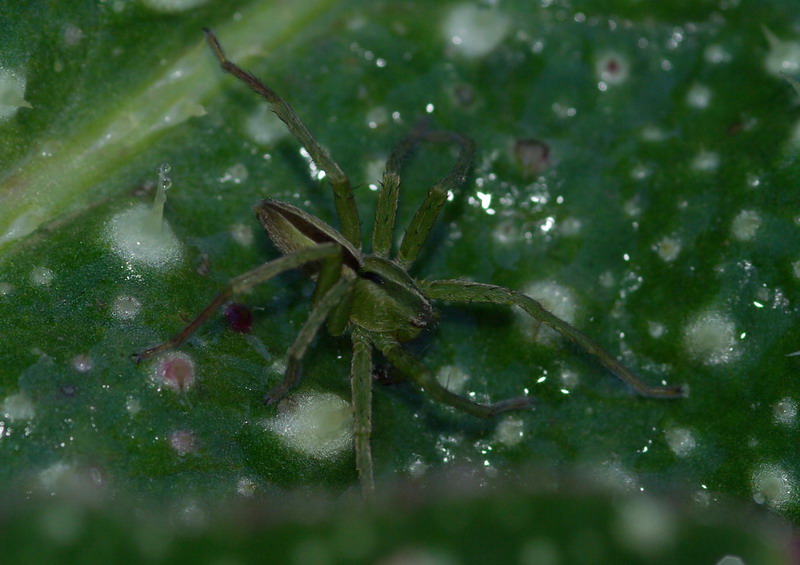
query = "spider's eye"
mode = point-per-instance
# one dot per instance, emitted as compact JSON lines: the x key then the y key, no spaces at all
{"x":372,"y":276}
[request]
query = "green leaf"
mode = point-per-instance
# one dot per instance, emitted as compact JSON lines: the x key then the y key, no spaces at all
{"x":663,"y":216}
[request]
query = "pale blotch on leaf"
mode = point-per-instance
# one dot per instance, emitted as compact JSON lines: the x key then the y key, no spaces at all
{"x":645,"y":525}
{"x":510,"y":431}
{"x":611,"y":68}
{"x":668,"y":248}
{"x":377,"y":116}
{"x":475,"y":31}
{"x":18,"y":407}
{"x":745,"y":225}
{"x":172,"y":6}
{"x":699,"y":96}
{"x":772,"y":486}
{"x":175,"y":371}
{"x":680,"y":440}
{"x":183,"y":442}
{"x":452,"y":378}
{"x":556,"y":298}
{"x":317,"y":424}
{"x":82,"y":363}
{"x":12,"y":94}
{"x":125,"y":307}
{"x":263,"y":127}
{"x":706,"y":161}
{"x":784,"y":412}
{"x":41,"y":276}
{"x":236,"y":174}
{"x":710,"y":337}
{"x":717,"y":54}
{"x":731,"y":560}
{"x":783,"y":57}
{"x":246,"y":486}
{"x":141,"y":235}
{"x":242,"y":234}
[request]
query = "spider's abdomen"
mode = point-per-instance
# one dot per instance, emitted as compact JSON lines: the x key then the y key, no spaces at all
{"x":387,"y":300}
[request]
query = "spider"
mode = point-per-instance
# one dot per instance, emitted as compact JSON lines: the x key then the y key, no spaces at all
{"x":371,"y":296}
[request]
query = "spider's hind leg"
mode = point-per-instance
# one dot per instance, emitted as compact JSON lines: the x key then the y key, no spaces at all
{"x":467,"y":291}
{"x":412,"y":367}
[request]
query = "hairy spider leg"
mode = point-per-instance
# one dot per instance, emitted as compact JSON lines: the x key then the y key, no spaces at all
{"x":422,"y":222}
{"x":386,"y":208}
{"x":361,"y":388}
{"x":467,"y":291}
{"x":349,"y":222}
{"x":416,"y":370}
{"x":245,"y":282}
{"x":319,"y":313}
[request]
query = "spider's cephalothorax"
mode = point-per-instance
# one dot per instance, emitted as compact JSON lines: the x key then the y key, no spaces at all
{"x":384,"y":297}
{"x":372,"y":297}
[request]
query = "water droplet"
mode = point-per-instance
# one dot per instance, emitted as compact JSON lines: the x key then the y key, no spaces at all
{"x":474,"y":31}
{"x":6,"y":288}
{"x":317,"y":424}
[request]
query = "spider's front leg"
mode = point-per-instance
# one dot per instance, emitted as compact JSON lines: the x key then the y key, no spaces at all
{"x":467,"y":291}
{"x":414,"y":369}
{"x":350,"y":225}
{"x":243,"y":283}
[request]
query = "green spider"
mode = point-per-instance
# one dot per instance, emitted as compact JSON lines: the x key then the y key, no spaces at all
{"x":370,"y":295}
